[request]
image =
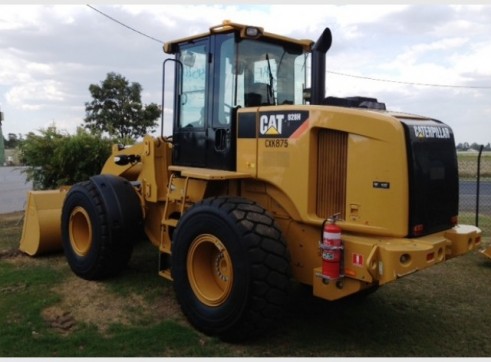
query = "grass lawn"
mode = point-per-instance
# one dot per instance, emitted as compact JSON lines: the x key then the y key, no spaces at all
{"x":468,"y":164}
{"x":46,"y":311}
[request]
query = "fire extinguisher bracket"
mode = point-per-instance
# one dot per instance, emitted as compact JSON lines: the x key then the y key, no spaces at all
{"x":326,"y":279}
{"x":330,"y":247}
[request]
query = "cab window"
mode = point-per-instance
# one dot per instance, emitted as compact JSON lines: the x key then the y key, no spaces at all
{"x":192,"y":102}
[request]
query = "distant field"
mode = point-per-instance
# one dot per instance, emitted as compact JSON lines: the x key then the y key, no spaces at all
{"x":468,"y":164}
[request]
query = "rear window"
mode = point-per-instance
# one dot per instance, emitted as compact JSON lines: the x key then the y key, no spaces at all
{"x":433,"y":183}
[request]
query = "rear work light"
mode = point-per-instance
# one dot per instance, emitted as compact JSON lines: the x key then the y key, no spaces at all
{"x":418,"y":229}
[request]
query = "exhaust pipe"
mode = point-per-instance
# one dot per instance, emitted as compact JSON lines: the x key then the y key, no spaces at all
{"x":318,"y":73}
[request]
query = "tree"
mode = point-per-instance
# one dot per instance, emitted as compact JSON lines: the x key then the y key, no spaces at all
{"x":475,"y":146}
{"x":117,"y":109}
{"x":54,"y":159}
{"x":13,"y":140}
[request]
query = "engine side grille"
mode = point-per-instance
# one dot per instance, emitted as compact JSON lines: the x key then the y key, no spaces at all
{"x":332,"y":156}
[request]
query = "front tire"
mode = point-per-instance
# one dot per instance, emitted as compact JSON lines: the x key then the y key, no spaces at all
{"x":230,"y":267}
{"x":100,"y":220}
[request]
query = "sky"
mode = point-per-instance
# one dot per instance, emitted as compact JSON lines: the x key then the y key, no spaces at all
{"x":430,"y":60}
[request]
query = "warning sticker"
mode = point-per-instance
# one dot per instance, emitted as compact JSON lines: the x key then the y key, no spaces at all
{"x":357,"y":260}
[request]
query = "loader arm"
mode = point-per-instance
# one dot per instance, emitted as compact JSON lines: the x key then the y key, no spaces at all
{"x":145,"y":164}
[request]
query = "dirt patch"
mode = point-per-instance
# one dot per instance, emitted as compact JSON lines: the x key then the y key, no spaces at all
{"x":92,"y":303}
{"x":16,"y":217}
{"x":10,"y":254}
{"x":18,"y":258}
{"x":61,"y":321}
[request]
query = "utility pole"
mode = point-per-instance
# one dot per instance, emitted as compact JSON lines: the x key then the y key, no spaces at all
{"x":2,"y":146}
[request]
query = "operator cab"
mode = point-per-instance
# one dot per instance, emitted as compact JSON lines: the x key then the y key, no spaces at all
{"x":217,"y":73}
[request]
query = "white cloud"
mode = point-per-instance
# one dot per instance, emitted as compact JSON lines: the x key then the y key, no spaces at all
{"x":11,"y":70}
{"x":50,"y":54}
{"x":474,"y":59}
{"x":16,"y":17}
{"x":415,"y":52}
{"x":35,"y":95}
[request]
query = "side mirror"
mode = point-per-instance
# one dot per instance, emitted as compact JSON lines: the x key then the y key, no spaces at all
{"x":188,"y":59}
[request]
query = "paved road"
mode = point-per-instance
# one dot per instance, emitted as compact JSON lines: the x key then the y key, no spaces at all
{"x":13,"y":189}
{"x":467,"y":197}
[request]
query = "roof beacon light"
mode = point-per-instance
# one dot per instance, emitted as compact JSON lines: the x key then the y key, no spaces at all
{"x":252,"y":32}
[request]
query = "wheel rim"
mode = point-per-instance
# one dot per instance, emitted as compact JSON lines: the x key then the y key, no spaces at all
{"x":80,"y":229}
{"x":210,"y":270}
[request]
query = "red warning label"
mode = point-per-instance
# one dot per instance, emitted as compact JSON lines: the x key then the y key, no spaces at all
{"x":357,"y":259}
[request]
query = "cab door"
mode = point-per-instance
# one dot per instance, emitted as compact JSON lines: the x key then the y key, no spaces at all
{"x":221,"y":148}
{"x":190,"y":117}
{"x":204,"y":124}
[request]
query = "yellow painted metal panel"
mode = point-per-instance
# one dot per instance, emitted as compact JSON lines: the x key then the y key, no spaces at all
{"x":487,"y":252}
{"x":41,"y":232}
{"x":208,"y":173}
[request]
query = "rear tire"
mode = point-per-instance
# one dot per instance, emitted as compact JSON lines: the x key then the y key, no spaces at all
{"x":230,"y":267}
{"x":100,"y":220}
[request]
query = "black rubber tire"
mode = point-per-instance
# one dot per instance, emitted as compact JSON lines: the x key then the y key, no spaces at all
{"x":259,"y":267}
{"x":97,"y":232}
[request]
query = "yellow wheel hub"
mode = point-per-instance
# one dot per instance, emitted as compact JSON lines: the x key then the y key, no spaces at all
{"x":80,"y":230}
{"x":210,"y":271}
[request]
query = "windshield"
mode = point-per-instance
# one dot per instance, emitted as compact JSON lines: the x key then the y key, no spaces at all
{"x":248,"y":73}
{"x":262,"y":73}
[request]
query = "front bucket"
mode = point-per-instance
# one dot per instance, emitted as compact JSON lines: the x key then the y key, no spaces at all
{"x":42,"y":222}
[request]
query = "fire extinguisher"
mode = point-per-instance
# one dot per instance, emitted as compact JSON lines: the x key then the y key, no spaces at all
{"x":332,"y":249}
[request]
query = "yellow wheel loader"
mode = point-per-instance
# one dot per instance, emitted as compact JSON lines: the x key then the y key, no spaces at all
{"x":239,"y":201}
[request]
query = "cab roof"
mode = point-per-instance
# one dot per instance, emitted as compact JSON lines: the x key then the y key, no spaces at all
{"x":245,"y":31}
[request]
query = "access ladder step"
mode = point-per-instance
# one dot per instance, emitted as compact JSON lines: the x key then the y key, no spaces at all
{"x":170,"y":222}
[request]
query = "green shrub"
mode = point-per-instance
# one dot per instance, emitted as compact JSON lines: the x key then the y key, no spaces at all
{"x":54,"y":159}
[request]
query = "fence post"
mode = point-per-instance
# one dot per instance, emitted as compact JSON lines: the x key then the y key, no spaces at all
{"x":478,"y":183}
{"x":2,"y":146}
